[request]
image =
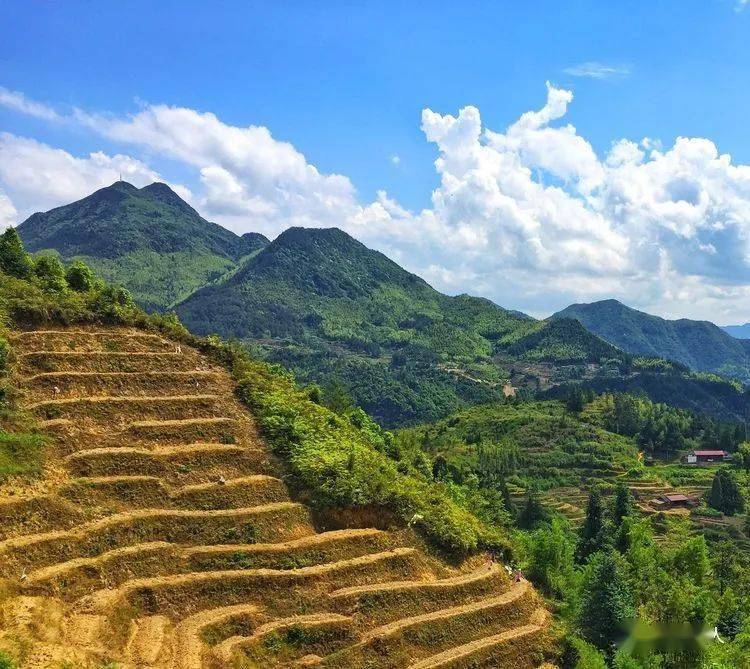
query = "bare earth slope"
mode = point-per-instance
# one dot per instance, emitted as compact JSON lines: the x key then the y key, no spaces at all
{"x":163,"y":536}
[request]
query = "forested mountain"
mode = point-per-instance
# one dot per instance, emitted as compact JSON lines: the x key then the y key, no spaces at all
{"x":148,"y":239}
{"x":342,"y":315}
{"x":329,"y":307}
{"x":700,"y":345}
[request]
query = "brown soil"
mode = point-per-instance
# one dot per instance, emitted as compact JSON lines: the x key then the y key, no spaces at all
{"x":161,"y":536}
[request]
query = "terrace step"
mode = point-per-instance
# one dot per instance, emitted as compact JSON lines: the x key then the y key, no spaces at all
{"x":150,"y":491}
{"x":226,"y":651}
{"x":103,"y":361}
{"x":83,"y":384}
{"x":86,"y":340}
{"x":148,"y":640}
{"x":190,"y":647}
{"x":132,"y":527}
{"x":196,"y":462}
{"x":117,"y":409}
{"x":41,"y":513}
{"x":179,"y":595}
{"x":503,"y":647}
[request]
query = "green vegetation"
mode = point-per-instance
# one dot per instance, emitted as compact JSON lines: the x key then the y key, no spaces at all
{"x":330,"y":309}
{"x":326,"y":306}
{"x":336,"y":458}
{"x":725,"y":495}
{"x":148,"y":240}
{"x":700,"y":345}
{"x":647,"y":597}
{"x":534,"y":443}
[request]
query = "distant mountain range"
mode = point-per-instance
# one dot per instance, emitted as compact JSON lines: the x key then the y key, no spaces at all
{"x":700,"y":345}
{"x":738,"y":331}
{"x":148,"y":239}
{"x":334,"y":311}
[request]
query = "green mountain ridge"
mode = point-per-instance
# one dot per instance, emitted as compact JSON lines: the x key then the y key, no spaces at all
{"x":149,"y":240}
{"x":342,"y":315}
{"x":701,"y":345}
{"x":327,"y":306}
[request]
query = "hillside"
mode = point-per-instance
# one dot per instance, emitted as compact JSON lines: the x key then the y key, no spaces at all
{"x":148,"y":240}
{"x":185,"y":506}
{"x":700,"y":345}
{"x":324,"y":304}
{"x":169,"y":540}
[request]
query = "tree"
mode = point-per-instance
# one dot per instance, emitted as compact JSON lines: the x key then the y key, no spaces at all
{"x":336,"y":397}
{"x":591,"y":535}
{"x":627,"y":416}
{"x":51,"y":273}
{"x":725,"y":495}
{"x":79,"y":277}
{"x":13,"y":259}
{"x":742,"y":457}
{"x":622,"y":506}
{"x":532,"y":512}
{"x":724,"y":563}
{"x":607,"y":602}
{"x":716,"y":494}
{"x":440,"y":468}
{"x":575,"y":400}
{"x":550,"y":565}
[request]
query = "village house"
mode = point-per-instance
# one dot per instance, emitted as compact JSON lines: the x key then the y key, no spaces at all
{"x":705,"y":457}
{"x":672,"y":501}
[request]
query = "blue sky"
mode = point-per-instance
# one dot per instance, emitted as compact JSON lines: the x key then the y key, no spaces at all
{"x":346,"y":84}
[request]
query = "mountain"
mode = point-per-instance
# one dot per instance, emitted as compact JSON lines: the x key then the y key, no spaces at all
{"x":700,"y":345}
{"x":738,"y":331}
{"x":149,"y":240}
{"x":327,"y":306}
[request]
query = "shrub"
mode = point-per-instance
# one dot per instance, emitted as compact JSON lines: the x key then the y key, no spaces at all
{"x":79,"y":277}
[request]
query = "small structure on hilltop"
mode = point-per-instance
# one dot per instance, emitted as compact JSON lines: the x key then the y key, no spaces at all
{"x":707,"y":457}
{"x":675,"y":500}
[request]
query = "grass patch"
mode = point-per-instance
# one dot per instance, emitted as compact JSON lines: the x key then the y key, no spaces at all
{"x":21,"y":454}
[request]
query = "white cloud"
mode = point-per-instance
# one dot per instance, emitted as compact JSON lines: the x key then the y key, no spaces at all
{"x":38,"y":177}
{"x":396,"y":159}
{"x":8,"y":213}
{"x":529,"y":216}
{"x":20,"y":103}
{"x":595,"y":70}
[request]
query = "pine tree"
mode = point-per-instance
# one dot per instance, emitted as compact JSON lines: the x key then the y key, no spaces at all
{"x":606,"y":602}
{"x":440,"y":468}
{"x":725,"y":495}
{"x":623,"y":504}
{"x":591,"y":537}
{"x":716,"y":494}
{"x":13,"y":259}
{"x":532,"y":512}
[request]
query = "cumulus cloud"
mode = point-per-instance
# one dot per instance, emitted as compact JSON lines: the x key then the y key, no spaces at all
{"x":36,"y":176}
{"x":595,"y":70}
{"x":8,"y":213}
{"x":530,"y":216}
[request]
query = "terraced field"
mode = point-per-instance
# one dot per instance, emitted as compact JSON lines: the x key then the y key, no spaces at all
{"x":162,"y":536}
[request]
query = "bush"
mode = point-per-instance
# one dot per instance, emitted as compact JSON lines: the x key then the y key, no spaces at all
{"x":51,"y":274}
{"x":79,"y":277}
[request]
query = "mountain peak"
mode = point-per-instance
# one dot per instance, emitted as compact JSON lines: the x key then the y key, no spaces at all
{"x":700,"y":345}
